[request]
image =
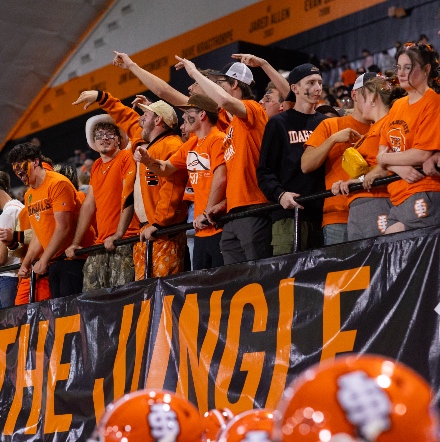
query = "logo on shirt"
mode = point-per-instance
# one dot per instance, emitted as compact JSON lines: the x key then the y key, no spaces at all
{"x":228,"y":147}
{"x":299,"y":136}
{"x":195,"y":161}
{"x":397,"y":139}
{"x":40,"y":206}
{"x":151,"y":178}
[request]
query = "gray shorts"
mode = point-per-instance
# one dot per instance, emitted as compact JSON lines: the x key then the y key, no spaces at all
{"x":335,"y":233}
{"x":368,"y":217}
{"x":246,"y":239}
{"x":419,"y":210}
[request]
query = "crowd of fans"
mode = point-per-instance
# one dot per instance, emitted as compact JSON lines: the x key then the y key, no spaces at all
{"x":327,"y":125}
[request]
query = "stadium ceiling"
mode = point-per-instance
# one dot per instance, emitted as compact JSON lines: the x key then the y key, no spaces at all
{"x":36,"y":37}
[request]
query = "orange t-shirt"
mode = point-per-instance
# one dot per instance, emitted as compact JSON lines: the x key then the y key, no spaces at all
{"x":241,"y":147}
{"x":413,"y":126}
{"x":201,"y":158}
{"x":23,"y":219}
{"x":223,"y":121}
{"x":368,"y":147}
{"x":107,"y":181}
{"x":189,"y":192}
{"x":335,"y":207}
{"x":81,"y":196}
{"x":162,"y":197}
{"x":55,"y":194}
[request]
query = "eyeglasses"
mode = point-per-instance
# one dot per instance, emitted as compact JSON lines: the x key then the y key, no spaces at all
{"x":108,"y":135}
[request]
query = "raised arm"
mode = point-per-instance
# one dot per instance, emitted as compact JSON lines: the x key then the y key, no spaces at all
{"x":125,"y":117}
{"x":158,"y":86}
{"x":217,"y":93}
{"x":277,"y":79}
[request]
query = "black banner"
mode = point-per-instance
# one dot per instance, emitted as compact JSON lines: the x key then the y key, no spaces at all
{"x":230,"y":337}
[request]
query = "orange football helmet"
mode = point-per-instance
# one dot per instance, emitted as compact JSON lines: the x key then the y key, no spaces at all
{"x":151,"y":415}
{"x":367,"y":397}
{"x":249,"y":426}
{"x":213,"y":421}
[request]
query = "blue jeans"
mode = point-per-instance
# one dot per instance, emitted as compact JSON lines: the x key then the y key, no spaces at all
{"x":8,"y":291}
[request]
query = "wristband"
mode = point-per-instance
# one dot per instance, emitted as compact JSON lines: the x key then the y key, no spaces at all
{"x":361,"y":178}
{"x":205,"y":214}
{"x":102,"y":97}
{"x":13,"y":246}
{"x":281,"y":195}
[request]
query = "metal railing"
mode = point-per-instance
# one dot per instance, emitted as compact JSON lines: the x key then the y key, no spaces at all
{"x":253,"y":211}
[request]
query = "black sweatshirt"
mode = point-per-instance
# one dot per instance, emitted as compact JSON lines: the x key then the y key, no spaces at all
{"x":279,"y":169}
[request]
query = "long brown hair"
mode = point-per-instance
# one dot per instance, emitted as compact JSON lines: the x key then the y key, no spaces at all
{"x":424,"y":55}
{"x":384,"y":87}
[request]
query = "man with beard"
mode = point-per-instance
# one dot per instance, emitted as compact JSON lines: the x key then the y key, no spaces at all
{"x":109,"y":198}
{"x":165,"y":91}
{"x":157,"y":200}
{"x":243,"y":239}
{"x":202,"y":155}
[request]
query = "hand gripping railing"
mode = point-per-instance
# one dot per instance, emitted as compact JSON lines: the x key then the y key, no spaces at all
{"x":253,"y":211}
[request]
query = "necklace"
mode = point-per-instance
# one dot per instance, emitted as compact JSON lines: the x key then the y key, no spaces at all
{"x":200,"y":141}
{"x":108,"y":167}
